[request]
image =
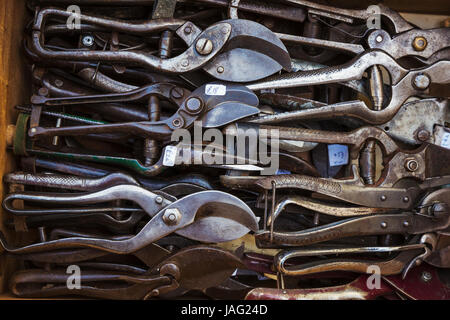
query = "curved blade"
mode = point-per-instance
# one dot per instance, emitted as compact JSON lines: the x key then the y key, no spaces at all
{"x":219,"y":217}
{"x":203,"y":267}
{"x":214,"y":93}
{"x":226,"y":113}
{"x":251,"y":35}
{"x":242,"y":65}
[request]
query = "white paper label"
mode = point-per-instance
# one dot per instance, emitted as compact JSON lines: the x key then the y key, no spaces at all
{"x":170,"y":155}
{"x":445,"y":141}
{"x":337,"y":155}
{"x":215,"y":90}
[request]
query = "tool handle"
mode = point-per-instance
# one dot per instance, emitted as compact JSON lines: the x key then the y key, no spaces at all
{"x":145,"y":199}
{"x":352,"y":193}
{"x":359,"y":226}
{"x":356,"y":290}
{"x":23,"y":284}
{"x":391,"y":266}
{"x":69,"y":182}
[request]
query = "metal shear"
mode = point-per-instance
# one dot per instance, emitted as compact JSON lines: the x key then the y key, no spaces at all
{"x":409,"y":255}
{"x":404,"y":40}
{"x":208,"y":216}
{"x":222,"y":50}
{"x":423,"y":165}
{"x":415,"y":286}
{"x":193,"y":268}
{"x":432,"y":215}
{"x":404,"y":84}
{"x":213,"y":110}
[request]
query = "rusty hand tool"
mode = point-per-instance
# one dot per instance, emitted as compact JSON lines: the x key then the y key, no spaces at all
{"x":70,"y":182}
{"x":214,"y":110}
{"x":168,"y":184}
{"x":209,"y":216}
{"x":432,"y":215}
{"x":404,"y":84}
{"x":222,"y":50}
{"x":405,"y":40}
{"x":422,"y":283}
{"x":193,"y":268}
{"x":409,"y":255}
{"x":423,"y":164}
{"x":277,"y":10}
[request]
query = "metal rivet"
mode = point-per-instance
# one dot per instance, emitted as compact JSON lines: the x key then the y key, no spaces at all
{"x":383,"y":198}
{"x":411,"y":165}
{"x":185,"y":63}
{"x":188,"y":30}
{"x":383,"y":225}
{"x":204,"y":46}
{"x":59,"y":83}
{"x":171,"y":216}
{"x":423,"y":135}
{"x":421,"y":81}
{"x":419,"y":43}
{"x":177,"y":122}
{"x":33,"y":130}
{"x":194,"y":104}
{"x":88,"y":41}
{"x":426,"y":276}
{"x":379,"y":39}
{"x":405,"y":224}
{"x":159,"y":200}
{"x":220,"y":69}
{"x":405,"y":199}
{"x":43,"y":92}
{"x":224,"y":30}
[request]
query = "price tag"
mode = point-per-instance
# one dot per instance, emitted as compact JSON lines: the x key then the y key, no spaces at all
{"x":170,"y":155}
{"x":215,"y":90}
{"x":337,"y":155}
{"x":445,"y":142}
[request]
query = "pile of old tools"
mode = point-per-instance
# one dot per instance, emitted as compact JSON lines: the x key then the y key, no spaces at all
{"x":230,"y":149}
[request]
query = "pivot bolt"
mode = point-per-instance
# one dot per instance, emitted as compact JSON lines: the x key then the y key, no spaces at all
{"x":411,"y":165}
{"x":220,"y":69}
{"x":159,"y":200}
{"x":194,"y":104}
{"x":426,"y":276}
{"x":419,"y":43}
{"x":204,"y":46}
{"x":379,"y":38}
{"x":188,"y":30}
{"x":421,"y":81}
{"x":171,"y":216}
{"x":59,"y":83}
{"x":88,"y":41}
{"x":423,"y":135}
{"x":439,"y":209}
{"x":177,"y":93}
